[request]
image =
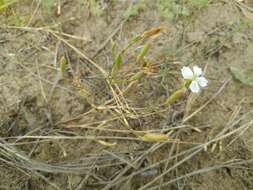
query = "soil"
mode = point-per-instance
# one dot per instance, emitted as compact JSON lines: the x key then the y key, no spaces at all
{"x":35,"y":101}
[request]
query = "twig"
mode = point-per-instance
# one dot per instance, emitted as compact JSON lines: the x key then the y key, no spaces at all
{"x":208,"y":102}
{"x":108,"y":39}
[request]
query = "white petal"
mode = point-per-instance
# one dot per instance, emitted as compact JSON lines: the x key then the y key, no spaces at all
{"x":202,"y":81}
{"x":194,"y":86}
{"x":187,"y":73}
{"x":197,"y":71}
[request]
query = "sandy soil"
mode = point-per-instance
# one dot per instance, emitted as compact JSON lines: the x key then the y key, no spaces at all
{"x":35,"y":103}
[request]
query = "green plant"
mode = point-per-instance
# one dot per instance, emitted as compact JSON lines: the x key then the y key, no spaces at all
{"x":192,"y":77}
{"x":173,"y":9}
{"x":12,"y":16}
{"x":93,"y":5}
{"x":242,"y":25}
{"x":198,"y":4}
{"x":133,"y":9}
{"x":6,"y":3}
{"x":47,"y":6}
{"x":147,"y":38}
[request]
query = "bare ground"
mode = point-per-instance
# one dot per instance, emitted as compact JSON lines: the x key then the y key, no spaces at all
{"x":34,"y":103}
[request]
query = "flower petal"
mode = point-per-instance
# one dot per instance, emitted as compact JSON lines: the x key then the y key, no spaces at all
{"x":202,"y":81}
{"x":197,"y":71}
{"x":194,"y":86}
{"x":187,"y":73}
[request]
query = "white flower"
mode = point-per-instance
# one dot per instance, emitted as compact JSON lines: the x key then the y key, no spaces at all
{"x":196,"y":78}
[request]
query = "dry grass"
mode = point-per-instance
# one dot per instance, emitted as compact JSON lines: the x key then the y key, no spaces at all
{"x":117,"y":118}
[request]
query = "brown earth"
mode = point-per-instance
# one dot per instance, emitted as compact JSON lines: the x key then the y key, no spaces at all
{"x":34,"y":103}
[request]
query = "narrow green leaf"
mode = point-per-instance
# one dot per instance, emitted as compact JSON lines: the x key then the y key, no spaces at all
{"x":137,"y":76}
{"x":5,"y":4}
{"x":143,"y":52}
{"x":116,"y":65}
